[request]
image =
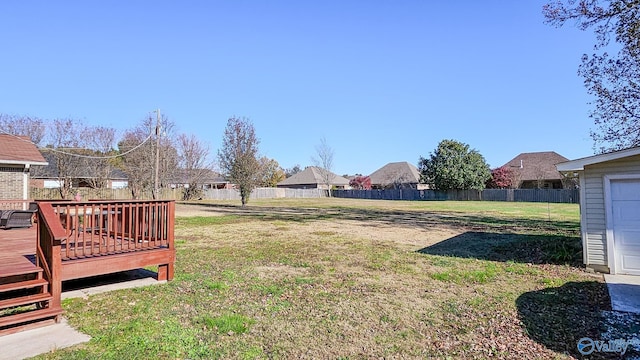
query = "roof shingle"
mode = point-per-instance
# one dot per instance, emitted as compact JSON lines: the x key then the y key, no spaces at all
{"x":19,"y":150}
{"x":396,"y":172}
{"x":537,"y":165}
{"x":312,"y":175}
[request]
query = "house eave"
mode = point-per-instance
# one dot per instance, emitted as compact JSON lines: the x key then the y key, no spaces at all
{"x":579,"y":164}
{"x":23,"y":162}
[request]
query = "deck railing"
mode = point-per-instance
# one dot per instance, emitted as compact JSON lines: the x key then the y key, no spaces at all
{"x":98,"y":228}
{"x":51,"y":234}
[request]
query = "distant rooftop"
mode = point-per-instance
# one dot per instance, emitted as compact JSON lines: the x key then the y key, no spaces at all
{"x":537,"y":165}
{"x":312,"y":175}
{"x":396,"y":173}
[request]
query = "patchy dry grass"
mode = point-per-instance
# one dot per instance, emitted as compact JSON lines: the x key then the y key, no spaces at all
{"x":334,"y":278}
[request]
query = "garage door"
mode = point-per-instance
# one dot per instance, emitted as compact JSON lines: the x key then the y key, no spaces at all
{"x":625,"y":202}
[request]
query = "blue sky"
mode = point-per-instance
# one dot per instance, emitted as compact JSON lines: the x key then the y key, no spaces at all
{"x":382,"y":81}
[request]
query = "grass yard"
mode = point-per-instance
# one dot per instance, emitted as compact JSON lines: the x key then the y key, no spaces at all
{"x":356,"y":279}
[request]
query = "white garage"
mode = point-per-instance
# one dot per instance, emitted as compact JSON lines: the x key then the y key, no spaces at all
{"x":609,"y":210}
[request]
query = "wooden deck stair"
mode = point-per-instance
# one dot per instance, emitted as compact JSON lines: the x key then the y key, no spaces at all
{"x":25,"y":299}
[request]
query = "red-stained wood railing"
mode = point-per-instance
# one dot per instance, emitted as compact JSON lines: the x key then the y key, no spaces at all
{"x":98,"y":228}
{"x":50,"y":237}
{"x":100,"y":237}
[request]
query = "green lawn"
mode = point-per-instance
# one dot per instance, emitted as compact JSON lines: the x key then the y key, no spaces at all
{"x":356,"y":279}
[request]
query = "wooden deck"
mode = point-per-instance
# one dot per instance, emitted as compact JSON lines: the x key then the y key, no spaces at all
{"x":74,"y":240}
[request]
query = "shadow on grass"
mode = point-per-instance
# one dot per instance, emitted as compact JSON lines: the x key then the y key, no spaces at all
{"x":524,"y":248}
{"x":108,"y":279}
{"x":396,"y":218}
{"x":557,"y":317}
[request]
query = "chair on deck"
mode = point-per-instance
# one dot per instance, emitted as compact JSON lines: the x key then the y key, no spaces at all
{"x":16,"y":218}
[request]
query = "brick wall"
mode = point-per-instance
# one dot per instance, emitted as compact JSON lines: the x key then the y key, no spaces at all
{"x":11,"y":185}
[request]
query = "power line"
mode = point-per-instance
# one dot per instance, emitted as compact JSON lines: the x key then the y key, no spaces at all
{"x":80,"y":155}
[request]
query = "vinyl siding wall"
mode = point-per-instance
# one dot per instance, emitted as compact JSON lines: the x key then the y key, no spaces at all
{"x":594,"y":226}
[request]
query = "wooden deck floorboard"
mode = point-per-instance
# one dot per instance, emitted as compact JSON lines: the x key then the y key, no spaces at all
{"x":17,"y":250}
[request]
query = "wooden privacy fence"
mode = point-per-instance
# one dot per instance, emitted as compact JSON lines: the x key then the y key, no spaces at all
{"x":520,"y":195}
{"x":177,"y":194}
{"x":264,"y":193}
{"x":523,"y":195}
{"x":105,"y":194}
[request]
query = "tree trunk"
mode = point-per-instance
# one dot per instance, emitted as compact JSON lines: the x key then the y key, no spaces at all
{"x":243,"y":196}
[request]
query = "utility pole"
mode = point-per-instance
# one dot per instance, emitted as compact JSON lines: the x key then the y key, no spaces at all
{"x":155,"y":183}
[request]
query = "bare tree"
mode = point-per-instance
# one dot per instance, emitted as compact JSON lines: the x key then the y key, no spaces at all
{"x":195,"y":167}
{"x":612,"y":78}
{"x":395,"y":179}
{"x":238,"y":156}
{"x":67,"y":141}
{"x":540,"y":179}
{"x":139,"y":164}
{"x":98,"y":164}
{"x":324,"y":162}
{"x":32,"y":127}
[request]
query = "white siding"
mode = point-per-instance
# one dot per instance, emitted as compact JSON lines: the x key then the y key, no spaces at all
{"x":52,"y":184}
{"x":593,"y":192}
{"x":119,"y":184}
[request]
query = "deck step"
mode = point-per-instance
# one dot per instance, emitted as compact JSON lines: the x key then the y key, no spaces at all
{"x":8,"y":323}
{"x":18,"y":266}
{"x":25,"y":300}
{"x":29,"y":284}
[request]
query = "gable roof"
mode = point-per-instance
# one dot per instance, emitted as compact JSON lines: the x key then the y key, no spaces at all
{"x":19,"y":150}
{"x":396,"y":172}
{"x":313,"y":175}
{"x":536,"y":165}
{"x":579,"y":164}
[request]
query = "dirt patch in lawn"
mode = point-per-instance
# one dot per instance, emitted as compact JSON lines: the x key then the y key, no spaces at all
{"x":410,"y":237}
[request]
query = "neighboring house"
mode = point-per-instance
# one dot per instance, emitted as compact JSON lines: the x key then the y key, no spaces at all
{"x":208,"y":179}
{"x":537,"y":170}
{"x":311,"y":178}
{"x":47,"y":176}
{"x":17,"y":156}
{"x":609,"y":210}
{"x":396,"y":175}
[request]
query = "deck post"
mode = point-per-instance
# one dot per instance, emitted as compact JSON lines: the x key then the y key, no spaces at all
{"x":165,"y":271}
{"x":49,"y":242}
{"x":56,"y":274}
